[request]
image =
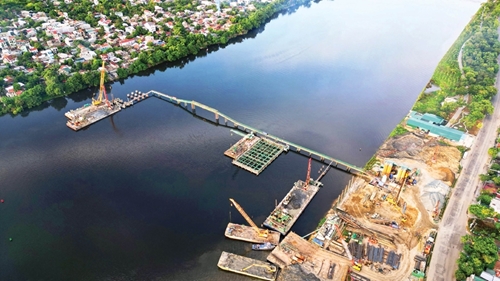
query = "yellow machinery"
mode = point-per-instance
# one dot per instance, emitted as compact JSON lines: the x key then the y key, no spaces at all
{"x":261,"y":232}
{"x":269,"y":268}
{"x":102,"y":91}
{"x":391,"y":200}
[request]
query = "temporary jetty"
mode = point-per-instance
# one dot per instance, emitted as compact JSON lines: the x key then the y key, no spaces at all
{"x":292,"y":206}
{"x":247,"y":266}
{"x":248,"y":234}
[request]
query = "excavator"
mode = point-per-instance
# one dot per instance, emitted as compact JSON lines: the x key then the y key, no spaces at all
{"x":270,"y":269}
{"x":262,"y":233}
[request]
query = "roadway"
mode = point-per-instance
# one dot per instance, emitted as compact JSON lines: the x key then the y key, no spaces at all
{"x":453,"y":225}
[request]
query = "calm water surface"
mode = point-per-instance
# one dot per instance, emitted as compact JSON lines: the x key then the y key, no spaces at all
{"x":144,"y":195}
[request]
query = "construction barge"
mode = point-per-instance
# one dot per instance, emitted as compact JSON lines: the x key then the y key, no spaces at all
{"x":291,"y":207}
{"x":99,"y":109}
{"x":248,"y":234}
{"x":247,"y":266}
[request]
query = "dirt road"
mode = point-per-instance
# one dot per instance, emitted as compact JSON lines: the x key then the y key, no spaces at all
{"x":453,"y":225}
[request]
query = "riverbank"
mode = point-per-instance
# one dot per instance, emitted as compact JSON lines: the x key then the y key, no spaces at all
{"x":437,"y":159}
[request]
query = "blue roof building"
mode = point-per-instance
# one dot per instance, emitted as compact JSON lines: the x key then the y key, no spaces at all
{"x":434,"y":125}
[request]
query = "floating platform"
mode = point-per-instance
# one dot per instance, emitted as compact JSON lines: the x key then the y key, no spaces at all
{"x":248,"y":234}
{"x":89,"y":114}
{"x":254,"y":153}
{"x":247,"y":266}
{"x":291,"y":207}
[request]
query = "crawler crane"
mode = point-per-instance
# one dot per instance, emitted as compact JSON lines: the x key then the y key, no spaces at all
{"x":261,"y":232}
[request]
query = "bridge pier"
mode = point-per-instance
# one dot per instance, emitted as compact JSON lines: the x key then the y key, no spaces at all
{"x":225,"y":121}
{"x":217,"y":117}
{"x":193,"y":107}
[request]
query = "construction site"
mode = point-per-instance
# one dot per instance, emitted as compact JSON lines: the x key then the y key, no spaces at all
{"x":382,"y":226}
{"x":379,"y":228}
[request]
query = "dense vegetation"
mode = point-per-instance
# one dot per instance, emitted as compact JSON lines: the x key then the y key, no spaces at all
{"x":46,"y":83}
{"x":479,"y":57}
{"x":479,"y":252}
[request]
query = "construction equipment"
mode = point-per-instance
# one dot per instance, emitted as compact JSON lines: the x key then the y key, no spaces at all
{"x":261,"y":232}
{"x":102,"y":90}
{"x":298,"y":258}
{"x":270,"y":268}
{"x":391,"y":200}
{"x":344,"y":244}
{"x":308,"y":177}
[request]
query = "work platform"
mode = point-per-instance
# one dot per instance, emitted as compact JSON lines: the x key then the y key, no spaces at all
{"x":248,"y":234}
{"x":247,"y":266}
{"x":291,"y":207}
{"x":253,"y":153}
{"x":89,"y":113}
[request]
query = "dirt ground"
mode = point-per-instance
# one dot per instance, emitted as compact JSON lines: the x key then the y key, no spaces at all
{"x":435,"y":160}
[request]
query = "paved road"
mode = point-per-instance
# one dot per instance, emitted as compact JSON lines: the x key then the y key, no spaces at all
{"x":453,"y":225}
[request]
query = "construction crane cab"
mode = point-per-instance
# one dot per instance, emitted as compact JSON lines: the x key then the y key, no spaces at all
{"x":260,"y":232}
{"x":270,"y":268}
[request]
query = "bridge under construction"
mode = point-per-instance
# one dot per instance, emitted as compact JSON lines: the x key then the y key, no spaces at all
{"x":280,"y":144}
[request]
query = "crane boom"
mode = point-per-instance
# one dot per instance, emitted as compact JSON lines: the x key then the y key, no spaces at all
{"x":102,"y":89}
{"x":342,"y":240}
{"x":262,"y":233}
{"x":308,"y":177}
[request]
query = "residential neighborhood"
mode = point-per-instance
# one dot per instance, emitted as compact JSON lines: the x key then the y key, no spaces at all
{"x":37,"y":40}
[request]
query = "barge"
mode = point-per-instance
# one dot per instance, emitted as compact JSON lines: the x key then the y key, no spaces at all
{"x":291,"y":207}
{"x":248,"y":234}
{"x":247,"y":266}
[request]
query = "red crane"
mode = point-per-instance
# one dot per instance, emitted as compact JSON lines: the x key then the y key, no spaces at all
{"x":308,"y":177}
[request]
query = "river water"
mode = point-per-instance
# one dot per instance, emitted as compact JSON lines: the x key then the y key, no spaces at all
{"x":144,"y":195}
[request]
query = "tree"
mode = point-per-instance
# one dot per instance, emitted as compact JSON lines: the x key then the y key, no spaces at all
{"x":17,"y":87}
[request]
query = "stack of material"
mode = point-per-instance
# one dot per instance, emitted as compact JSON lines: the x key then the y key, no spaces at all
{"x":434,"y":194}
{"x":357,"y":250}
{"x":375,"y":254}
{"x":393,"y":259}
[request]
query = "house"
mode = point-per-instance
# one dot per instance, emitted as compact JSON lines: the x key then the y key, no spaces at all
{"x":495,"y":204}
{"x":150,"y":26}
{"x":64,"y":69}
{"x":434,"y":125}
{"x":10,"y":92}
{"x":9,"y":59}
{"x":129,"y":29}
{"x":127,"y":42}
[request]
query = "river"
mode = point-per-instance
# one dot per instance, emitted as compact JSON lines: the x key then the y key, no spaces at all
{"x":144,"y":195}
